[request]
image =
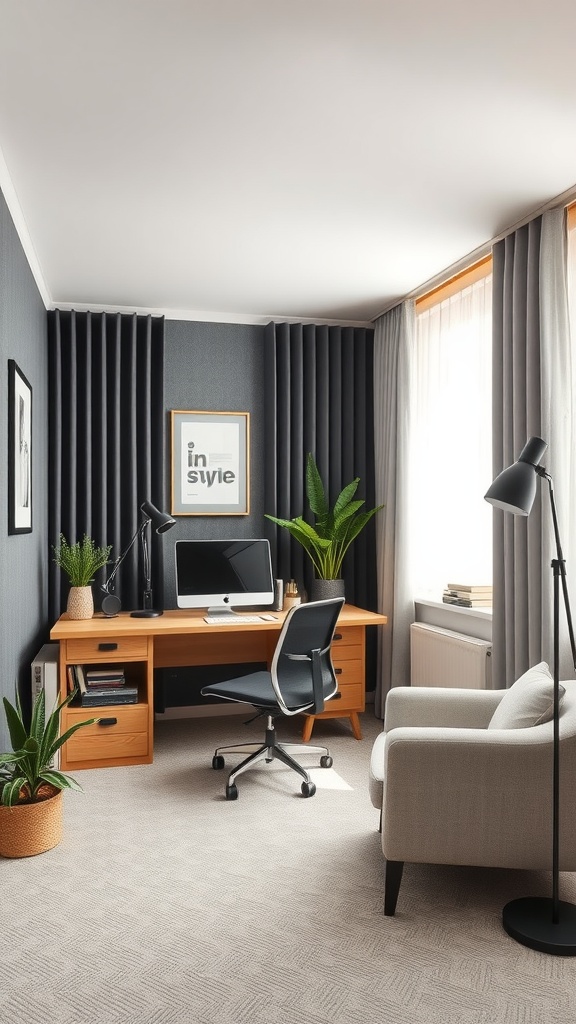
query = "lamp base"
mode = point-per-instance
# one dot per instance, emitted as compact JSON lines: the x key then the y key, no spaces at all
{"x":145,"y":613}
{"x":529,"y":921}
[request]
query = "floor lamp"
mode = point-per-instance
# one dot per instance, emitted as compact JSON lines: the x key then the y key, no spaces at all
{"x":161,"y":521}
{"x":543,"y":923}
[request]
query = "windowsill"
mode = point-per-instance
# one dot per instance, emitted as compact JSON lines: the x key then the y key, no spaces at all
{"x":480,"y":613}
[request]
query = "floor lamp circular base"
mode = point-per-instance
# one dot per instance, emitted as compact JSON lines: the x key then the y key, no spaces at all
{"x":529,"y":921}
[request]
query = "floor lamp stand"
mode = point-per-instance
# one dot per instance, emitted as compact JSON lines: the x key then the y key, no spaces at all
{"x":549,"y":923}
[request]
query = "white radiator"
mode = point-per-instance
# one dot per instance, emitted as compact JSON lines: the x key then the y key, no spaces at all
{"x":439,"y":657}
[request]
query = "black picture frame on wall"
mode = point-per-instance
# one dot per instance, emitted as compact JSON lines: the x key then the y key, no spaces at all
{"x":19,"y":451}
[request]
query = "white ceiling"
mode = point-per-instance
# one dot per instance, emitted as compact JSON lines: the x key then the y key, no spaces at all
{"x":245,"y":160}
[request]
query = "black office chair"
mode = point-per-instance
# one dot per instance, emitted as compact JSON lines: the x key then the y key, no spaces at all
{"x":301,"y":679}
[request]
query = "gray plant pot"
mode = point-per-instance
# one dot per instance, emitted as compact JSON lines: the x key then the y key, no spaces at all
{"x":323,"y":590}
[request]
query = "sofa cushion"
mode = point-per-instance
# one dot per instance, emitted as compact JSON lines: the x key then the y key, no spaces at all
{"x":528,"y":702}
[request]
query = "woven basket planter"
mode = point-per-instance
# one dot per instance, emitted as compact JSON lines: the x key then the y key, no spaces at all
{"x":28,"y":829}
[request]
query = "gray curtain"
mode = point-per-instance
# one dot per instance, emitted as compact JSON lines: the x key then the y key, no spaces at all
{"x":319,"y":399}
{"x":393,"y":332}
{"x":530,"y":376}
{"x":107,"y":429}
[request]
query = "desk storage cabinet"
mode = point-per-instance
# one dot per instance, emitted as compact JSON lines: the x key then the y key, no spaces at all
{"x":124,"y":733}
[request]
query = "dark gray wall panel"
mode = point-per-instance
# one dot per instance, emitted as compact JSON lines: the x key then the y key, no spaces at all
{"x":23,"y":557}
{"x":218,"y":368}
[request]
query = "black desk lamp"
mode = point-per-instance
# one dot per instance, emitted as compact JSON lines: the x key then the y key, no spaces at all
{"x":543,"y":923}
{"x":162,"y":521}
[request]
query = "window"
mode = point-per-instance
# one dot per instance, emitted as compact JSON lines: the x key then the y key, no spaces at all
{"x":450,"y":459}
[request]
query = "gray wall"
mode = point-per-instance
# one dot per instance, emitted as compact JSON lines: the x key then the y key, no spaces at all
{"x":23,"y":557}
{"x":216,"y":367}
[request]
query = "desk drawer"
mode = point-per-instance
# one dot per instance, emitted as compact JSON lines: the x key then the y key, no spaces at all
{"x":348,"y":642}
{"x":351,"y":698}
{"x":348,"y":672}
{"x":127,"y":737}
{"x":113,"y":648}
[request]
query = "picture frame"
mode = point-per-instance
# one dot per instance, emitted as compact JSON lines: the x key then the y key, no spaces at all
{"x":210,"y":463}
{"x":19,"y":451}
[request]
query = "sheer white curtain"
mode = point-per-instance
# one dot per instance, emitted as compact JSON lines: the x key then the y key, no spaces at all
{"x":450,"y":455}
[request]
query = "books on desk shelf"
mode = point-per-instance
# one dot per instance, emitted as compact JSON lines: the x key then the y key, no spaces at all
{"x":467,"y":596}
{"x":98,"y":687}
{"x":98,"y":696}
{"x":104,"y":677}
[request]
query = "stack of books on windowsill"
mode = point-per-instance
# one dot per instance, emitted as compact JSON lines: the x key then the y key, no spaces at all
{"x":467,"y":595}
{"x":98,"y":687}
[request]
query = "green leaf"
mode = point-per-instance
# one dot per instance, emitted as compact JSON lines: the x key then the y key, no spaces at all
{"x":345,"y":497}
{"x":12,"y":758}
{"x":16,"y":728}
{"x":38,"y":716}
{"x":69,"y":732}
{"x":11,"y":790}
{"x":315,"y":490}
{"x":59,"y":780}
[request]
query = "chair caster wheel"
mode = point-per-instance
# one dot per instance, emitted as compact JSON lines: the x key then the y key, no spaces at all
{"x":217,"y":762}
{"x":308,"y":789}
{"x":231,"y":792}
{"x":326,"y":761}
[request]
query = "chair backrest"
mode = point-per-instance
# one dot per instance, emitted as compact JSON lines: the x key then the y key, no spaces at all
{"x":302,"y":672}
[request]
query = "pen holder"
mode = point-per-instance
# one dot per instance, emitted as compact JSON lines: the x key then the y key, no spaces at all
{"x":291,"y":596}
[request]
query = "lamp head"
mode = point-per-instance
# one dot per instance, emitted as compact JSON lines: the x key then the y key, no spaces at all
{"x":161,"y":521}
{"x":514,"y":489}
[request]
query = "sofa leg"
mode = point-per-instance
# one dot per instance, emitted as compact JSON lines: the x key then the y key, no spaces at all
{"x":394,"y":869}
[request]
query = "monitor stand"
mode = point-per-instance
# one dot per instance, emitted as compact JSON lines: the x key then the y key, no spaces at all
{"x":222,"y":610}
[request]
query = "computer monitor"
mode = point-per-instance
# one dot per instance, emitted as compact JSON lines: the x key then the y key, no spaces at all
{"x":223,"y":574}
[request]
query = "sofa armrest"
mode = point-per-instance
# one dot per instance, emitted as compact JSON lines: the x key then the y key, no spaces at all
{"x":468,"y":796}
{"x":440,"y":706}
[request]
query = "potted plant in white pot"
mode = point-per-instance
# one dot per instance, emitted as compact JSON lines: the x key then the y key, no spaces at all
{"x":80,"y":561}
{"x":30,"y":786}
{"x":327,"y":542}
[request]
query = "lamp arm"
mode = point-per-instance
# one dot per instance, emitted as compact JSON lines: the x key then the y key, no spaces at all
{"x":110,"y":581}
{"x":146,"y":564}
{"x":560,"y":560}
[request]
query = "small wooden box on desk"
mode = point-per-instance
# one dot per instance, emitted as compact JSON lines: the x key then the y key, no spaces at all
{"x":124,"y":734}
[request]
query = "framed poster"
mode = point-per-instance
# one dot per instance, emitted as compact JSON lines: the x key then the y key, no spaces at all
{"x":19,"y":451}
{"x":210,"y":463}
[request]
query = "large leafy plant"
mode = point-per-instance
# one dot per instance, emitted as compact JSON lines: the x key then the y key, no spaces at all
{"x":28,"y":768}
{"x":80,"y":560}
{"x":335,"y":528}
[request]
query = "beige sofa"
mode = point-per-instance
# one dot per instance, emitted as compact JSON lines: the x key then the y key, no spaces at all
{"x":453,"y":790}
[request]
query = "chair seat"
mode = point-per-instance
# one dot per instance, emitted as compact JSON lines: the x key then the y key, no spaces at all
{"x":257,"y":689}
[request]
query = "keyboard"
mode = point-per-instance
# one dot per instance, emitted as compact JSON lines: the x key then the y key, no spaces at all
{"x":233,"y":620}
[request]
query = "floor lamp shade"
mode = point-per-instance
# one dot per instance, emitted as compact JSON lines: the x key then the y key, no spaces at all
{"x":514,"y":489}
{"x":543,"y":923}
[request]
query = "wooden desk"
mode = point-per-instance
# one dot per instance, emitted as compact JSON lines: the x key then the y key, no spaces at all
{"x":125,"y":733}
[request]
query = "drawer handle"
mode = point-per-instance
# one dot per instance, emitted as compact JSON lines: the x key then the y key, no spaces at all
{"x":337,"y":696}
{"x":107,"y":647}
{"x":108,"y":721}
{"x":337,"y":671}
{"x":337,"y":636}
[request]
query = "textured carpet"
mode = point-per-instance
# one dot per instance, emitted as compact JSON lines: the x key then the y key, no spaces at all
{"x":165,"y":904}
